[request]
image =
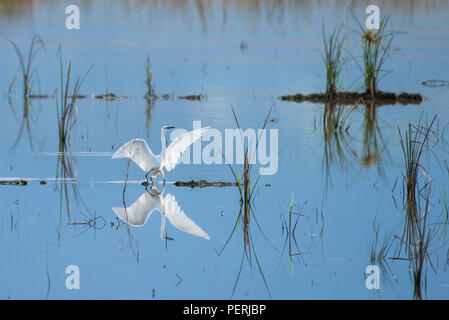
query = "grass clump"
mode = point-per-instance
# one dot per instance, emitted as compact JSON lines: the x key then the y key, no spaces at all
{"x":413,"y":145}
{"x":376,"y":47}
{"x":66,"y":112}
{"x":417,"y":232}
{"x":332,"y":59}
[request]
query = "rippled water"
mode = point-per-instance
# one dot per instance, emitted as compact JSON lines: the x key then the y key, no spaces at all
{"x":243,"y":54}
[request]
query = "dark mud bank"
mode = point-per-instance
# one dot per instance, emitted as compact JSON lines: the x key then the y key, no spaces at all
{"x":350,"y":98}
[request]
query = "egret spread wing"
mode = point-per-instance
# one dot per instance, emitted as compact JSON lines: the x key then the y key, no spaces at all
{"x":178,"y":218}
{"x":138,"y":213}
{"x":139,"y":152}
{"x":174,"y":151}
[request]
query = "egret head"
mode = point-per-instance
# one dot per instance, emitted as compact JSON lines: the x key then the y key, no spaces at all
{"x":163,"y":135}
{"x":165,"y":128}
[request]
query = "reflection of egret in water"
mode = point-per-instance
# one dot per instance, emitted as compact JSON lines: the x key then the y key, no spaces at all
{"x":138,"y":151}
{"x":138,"y":213}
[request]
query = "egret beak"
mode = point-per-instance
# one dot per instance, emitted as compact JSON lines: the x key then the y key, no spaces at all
{"x":167,"y":127}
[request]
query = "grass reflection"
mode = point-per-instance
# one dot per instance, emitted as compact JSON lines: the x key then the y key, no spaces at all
{"x":335,"y":124}
{"x":246,"y":213}
{"x":373,"y":143}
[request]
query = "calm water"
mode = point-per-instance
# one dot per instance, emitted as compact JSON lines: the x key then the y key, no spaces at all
{"x":196,"y":47}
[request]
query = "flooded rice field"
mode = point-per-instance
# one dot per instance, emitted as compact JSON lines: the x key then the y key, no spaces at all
{"x":338,"y":190}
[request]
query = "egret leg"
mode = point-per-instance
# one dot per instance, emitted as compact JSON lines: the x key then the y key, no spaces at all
{"x":151,"y":178}
{"x":163,"y":234}
{"x":163,"y":176}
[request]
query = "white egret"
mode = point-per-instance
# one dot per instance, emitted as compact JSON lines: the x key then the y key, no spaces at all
{"x":139,"y":152}
{"x":138,"y":213}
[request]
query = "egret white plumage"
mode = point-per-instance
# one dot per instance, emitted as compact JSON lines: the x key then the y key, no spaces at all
{"x":138,"y":213}
{"x":139,"y":152}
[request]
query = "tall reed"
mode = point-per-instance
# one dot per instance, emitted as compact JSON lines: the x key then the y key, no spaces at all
{"x":66,"y":112}
{"x":246,"y":214}
{"x":376,"y":47}
{"x":417,"y":232}
{"x":332,"y":59}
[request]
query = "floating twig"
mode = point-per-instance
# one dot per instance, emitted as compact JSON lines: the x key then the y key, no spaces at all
{"x":350,"y":98}
{"x":107,"y":96}
{"x":204,"y":183}
{"x":193,"y":97}
{"x":15,"y":182}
